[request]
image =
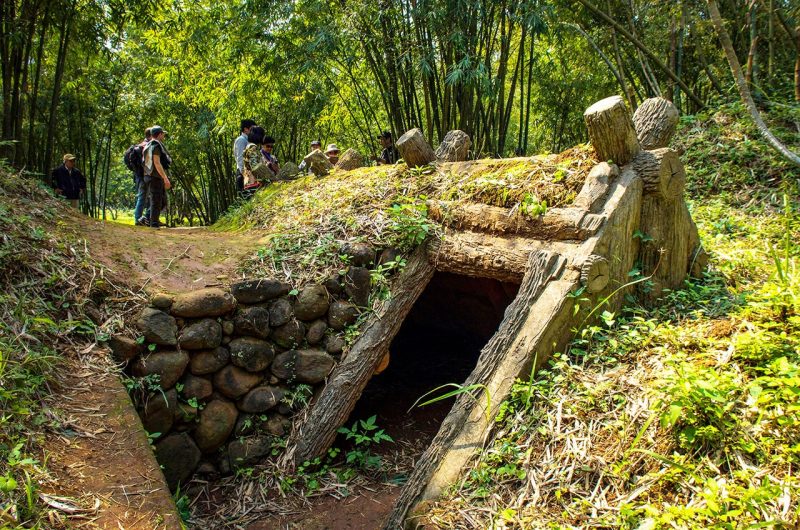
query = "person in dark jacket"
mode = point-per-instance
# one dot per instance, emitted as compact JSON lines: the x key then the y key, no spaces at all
{"x":389,"y":155}
{"x":68,"y":181}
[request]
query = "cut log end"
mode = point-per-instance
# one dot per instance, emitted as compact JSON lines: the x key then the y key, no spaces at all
{"x":611,"y":130}
{"x":415,"y":149}
{"x":655,"y":121}
{"x":454,"y":147}
{"x":662,"y":172}
{"x":595,"y":273}
{"x":351,"y":159}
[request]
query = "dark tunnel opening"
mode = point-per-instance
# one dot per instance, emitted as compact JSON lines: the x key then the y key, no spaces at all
{"x":438,"y":343}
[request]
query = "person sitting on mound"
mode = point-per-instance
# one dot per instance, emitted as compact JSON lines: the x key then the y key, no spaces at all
{"x":256,"y":171}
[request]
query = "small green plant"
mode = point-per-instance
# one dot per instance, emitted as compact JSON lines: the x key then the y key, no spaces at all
{"x":409,"y":224}
{"x":365,"y":435}
{"x":380,"y":278}
{"x":298,"y":396}
{"x":532,"y":206}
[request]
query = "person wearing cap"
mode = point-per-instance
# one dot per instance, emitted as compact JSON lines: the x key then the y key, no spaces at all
{"x":156,"y":163}
{"x":389,"y":155}
{"x":68,"y":181}
{"x":332,"y":152}
{"x":239,"y":146}
{"x":315,"y":146}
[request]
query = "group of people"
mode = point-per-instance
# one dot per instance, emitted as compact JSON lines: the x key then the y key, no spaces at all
{"x":257,"y":165}
{"x":149,"y":160}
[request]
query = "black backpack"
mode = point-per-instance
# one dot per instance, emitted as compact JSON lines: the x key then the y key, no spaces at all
{"x":134,"y":159}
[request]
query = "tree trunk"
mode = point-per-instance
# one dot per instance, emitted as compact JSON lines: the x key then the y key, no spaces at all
{"x":744,"y":92}
{"x":66,"y":28}
{"x":644,"y":49}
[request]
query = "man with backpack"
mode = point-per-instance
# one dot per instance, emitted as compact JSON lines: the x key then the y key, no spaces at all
{"x":156,"y":163}
{"x":134,"y":160}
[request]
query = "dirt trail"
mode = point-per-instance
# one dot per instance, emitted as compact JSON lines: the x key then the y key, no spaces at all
{"x":170,"y":259}
{"x":99,"y":455}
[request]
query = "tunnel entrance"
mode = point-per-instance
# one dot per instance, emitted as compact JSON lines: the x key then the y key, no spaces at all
{"x":439,"y":343}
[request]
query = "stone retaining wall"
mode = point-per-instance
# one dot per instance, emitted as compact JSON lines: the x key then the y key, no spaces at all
{"x":232,"y":366}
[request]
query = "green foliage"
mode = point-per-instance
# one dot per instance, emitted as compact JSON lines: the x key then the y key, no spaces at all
{"x":365,"y":435}
{"x":409,"y":224}
{"x":380,"y":278}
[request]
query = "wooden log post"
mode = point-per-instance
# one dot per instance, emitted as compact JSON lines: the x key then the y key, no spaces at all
{"x":415,"y":149}
{"x":662,"y":172}
{"x":318,"y":163}
{"x":611,"y":131}
{"x":288,"y":171}
{"x":655,"y":121}
{"x":351,"y":159}
{"x":454,"y":147}
{"x":671,"y":236}
{"x":593,"y":193}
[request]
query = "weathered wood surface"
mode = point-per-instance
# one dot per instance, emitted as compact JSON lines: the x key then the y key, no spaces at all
{"x":454,"y":147}
{"x":595,"y":273}
{"x":288,"y":171}
{"x":543,"y":266}
{"x":655,"y":121}
{"x":554,"y":224}
{"x":351,"y":159}
{"x":593,"y":193}
{"x":479,"y":255}
{"x":662,"y":172}
{"x":318,"y":163}
{"x":415,"y":149}
{"x":674,"y":250}
{"x":611,"y":130}
{"x":534,"y":327}
{"x":338,"y":397}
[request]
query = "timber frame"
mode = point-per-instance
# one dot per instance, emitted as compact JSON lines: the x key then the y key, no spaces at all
{"x":589,"y":246}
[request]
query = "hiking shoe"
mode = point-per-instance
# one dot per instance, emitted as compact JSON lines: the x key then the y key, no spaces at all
{"x":143,"y":221}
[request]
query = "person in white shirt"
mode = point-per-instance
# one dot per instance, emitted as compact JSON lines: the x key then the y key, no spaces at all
{"x":238,"y":152}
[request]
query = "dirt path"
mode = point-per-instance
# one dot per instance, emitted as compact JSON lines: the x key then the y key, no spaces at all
{"x":99,"y":456}
{"x":169,"y":259}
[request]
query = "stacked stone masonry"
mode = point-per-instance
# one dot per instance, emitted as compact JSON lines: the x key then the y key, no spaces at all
{"x":224,"y":370}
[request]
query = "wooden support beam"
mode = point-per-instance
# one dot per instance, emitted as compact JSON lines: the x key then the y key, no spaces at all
{"x":595,"y":187}
{"x":556,"y":224}
{"x":475,"y":254}
{"x":339,"y":396}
